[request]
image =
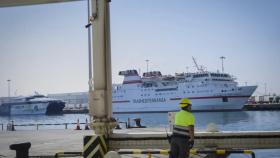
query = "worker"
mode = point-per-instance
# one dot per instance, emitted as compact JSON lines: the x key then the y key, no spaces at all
{"x":182,"y":138}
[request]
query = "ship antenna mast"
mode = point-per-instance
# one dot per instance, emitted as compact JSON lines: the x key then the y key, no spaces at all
{"x":222,"y":58}
{"x":147,"y":61}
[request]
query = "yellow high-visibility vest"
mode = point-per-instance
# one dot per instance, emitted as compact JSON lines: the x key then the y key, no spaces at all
{"x":184,"y":118}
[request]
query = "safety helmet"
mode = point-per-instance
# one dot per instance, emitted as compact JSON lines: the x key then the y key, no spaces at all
{"x":185,"y":102}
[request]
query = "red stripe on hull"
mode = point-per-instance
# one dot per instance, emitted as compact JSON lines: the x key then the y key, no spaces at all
{"x":131,"y":82}
{"x":121,"y":101}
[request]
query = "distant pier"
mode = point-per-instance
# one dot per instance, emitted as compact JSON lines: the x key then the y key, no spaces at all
{"x":247,"y":107}
{"x":262,"y":107}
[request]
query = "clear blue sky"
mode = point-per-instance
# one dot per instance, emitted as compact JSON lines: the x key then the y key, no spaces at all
{"x":44,"y":47}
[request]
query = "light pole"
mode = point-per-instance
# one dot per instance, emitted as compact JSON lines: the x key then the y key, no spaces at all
{"x":9,"y":86}
{"x":265,"y":86}
{"x":222,"y":58}
{"x":147,"y":65}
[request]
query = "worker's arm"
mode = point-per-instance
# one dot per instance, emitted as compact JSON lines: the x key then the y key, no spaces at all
{"x":191,"y":141}
{"x":191,"y":129}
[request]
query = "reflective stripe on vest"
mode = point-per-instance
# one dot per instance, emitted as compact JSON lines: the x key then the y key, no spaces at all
{"x":181,"y":130}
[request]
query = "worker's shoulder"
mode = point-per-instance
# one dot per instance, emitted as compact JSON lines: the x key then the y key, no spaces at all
{"x":186,"y":113}
{"x":191,"y":114}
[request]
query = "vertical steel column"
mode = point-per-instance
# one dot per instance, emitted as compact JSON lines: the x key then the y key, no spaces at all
{"x":100,"y":93}
{"x":89,"y":44}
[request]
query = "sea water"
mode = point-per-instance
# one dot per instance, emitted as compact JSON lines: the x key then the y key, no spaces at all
{"x":225,"y":121}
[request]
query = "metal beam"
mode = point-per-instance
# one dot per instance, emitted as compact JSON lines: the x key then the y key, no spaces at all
{"x":100,"y":86}
{"x":225,"y":140}
{"x":100,"y":93}
{"x":13,"y":3}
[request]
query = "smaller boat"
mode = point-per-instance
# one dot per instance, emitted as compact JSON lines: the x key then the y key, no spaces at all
{"x":36,"y":104}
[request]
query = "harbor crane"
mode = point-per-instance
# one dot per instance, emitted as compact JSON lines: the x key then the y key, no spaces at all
{"x":200,"y":69}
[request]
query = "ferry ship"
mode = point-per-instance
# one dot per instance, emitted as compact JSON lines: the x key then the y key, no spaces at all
{"x":154,"y":92}
{"x":36,"y":104}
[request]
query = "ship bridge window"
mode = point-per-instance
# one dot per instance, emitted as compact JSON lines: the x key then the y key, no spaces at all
{"x":218,"y":75}
{"x":200,"y":75}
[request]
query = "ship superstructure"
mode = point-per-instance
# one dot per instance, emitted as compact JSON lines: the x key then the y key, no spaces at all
{"x":156,"y":92}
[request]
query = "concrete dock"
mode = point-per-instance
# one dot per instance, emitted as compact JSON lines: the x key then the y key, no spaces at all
{"x":49,"y":142}
{"x":43,"y":142}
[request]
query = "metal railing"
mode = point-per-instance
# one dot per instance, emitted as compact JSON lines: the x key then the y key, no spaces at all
{"x":166,"y":152}
{"x":37,"y":125}
{"x":47,"y":124}
{"x":192,"y":151}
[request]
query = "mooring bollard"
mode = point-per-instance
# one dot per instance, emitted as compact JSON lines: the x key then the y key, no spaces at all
{"x":138,"y":123}
{"x":128,"y":123}
{"x":22,"y":149}
{"x":118,"y":125}
{"x":11,"y":126}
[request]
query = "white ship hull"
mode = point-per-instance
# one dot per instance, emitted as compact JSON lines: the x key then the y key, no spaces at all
{"x":211,"y":101}
{"x":211,"y":104}
{"x":33,"y":105}
{"x":29,"y":109}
